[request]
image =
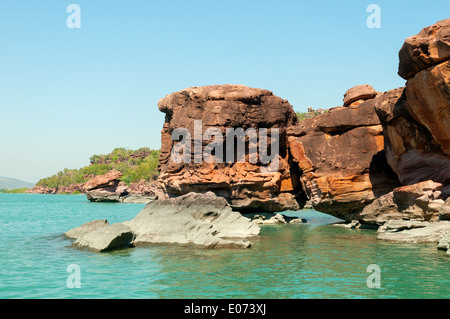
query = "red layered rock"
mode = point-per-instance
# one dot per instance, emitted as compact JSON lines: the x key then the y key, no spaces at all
{"x":143,"y":188}
{"x":102,"y":180}
{"x":416,"y":119}
{"x":340,"y":159}
{"x":243,"y":184}
{"x":358,"y":94}
{"x":429,"y":47}
{"x":109,"y":188}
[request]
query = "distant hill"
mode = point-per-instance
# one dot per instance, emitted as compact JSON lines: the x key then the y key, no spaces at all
{"x":12,"y":183}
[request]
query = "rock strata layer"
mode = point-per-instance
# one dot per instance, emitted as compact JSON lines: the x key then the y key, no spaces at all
{"x":429,"y":47}
{"x":339,"y":159}
{"x":247,"y":185}
{"x":415,"y":118}
{"x":109,"y":188}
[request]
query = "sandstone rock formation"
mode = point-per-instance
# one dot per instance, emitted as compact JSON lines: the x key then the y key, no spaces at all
{"x":358,"y":94}
{"x":429,"y":47}
{"x":102,"y":180}
{"x":109,"y":188}
{"x":415,"y":119}
{"x":419,"y":202}
{"x":106,"y":187}
{"x":339,"y":159}
{"x":246,"y":186}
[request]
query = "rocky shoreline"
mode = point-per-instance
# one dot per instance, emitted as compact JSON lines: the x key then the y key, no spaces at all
{"x":202,"y":220}
{"x":106,"y":188}
{"x":381,"y":160}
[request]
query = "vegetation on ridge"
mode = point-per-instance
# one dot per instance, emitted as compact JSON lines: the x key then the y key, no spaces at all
{"x":14,"y":191}
{"x":135,"y":165}
{"x":310,"y":114}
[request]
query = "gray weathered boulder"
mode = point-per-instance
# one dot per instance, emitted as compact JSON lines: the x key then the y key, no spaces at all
{"x":137,"y":199}
{"x":111,"y":237}
{"x":86,"y":228}
{"x":264,"y":218}
{"x":201,"y":219}
{"x":414,"y":232}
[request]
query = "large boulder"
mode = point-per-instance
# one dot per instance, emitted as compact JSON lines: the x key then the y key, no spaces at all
{"x":340,"y":160}
{"x":358,"y":94}
{"x":429,"y":47}
{"x":86,"y":228}
{"x":419,"y":201}
{"x":204,"y":220}
{"x":111,"y":237}
{"x":102,"y":180}
{"x":109,"y":188}
{"x":247,"y":185}
{"x":115,"y":191}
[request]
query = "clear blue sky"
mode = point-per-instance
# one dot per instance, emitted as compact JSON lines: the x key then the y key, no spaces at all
{"x":66,"y":94}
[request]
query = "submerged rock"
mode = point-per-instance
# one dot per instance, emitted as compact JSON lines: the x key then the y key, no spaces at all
{"x":415,"y":118}
{"x":109,"y":188}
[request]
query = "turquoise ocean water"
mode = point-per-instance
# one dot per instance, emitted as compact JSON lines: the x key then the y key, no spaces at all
{"x":313,"y":260}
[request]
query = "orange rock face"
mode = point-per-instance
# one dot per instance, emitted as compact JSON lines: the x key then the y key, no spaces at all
{"x":246,"y":185}
{"x":429,"y":47}
{"x":428,"y":96}
{"x":340,"y":157}
{"x":416,"y":119}
{"x":102,"y":180}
